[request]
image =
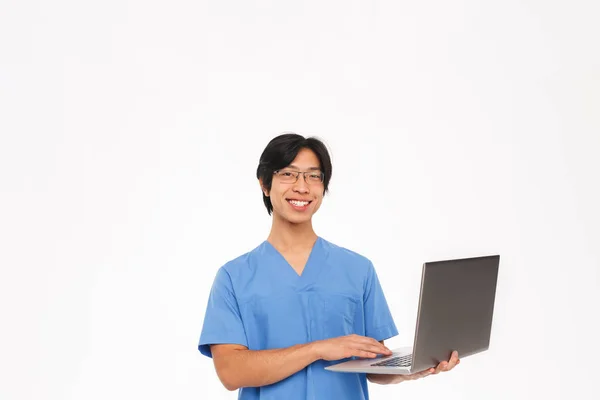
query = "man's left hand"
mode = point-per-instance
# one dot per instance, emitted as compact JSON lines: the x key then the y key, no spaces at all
{"x":443,"y":366}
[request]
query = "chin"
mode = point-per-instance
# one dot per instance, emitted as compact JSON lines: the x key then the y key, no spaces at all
{"x":298,"y":220}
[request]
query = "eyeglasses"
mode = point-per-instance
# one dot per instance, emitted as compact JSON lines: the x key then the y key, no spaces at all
{"x":291,"y":176}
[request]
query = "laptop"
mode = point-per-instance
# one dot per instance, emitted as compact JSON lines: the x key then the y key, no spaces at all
{"x":456,"y":304}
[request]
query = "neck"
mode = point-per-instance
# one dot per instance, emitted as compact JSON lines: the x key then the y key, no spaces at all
{"x":288,"y":236}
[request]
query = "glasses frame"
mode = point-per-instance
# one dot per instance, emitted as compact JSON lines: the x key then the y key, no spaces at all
{"x":297,"y":173}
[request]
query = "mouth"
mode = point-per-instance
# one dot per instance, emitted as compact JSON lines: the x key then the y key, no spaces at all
{"x":299,"y":204}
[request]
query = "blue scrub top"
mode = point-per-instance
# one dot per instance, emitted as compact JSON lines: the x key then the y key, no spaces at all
{"x":259,"y":301}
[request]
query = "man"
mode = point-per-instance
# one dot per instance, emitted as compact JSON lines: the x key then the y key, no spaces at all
{"x":278,"y":315}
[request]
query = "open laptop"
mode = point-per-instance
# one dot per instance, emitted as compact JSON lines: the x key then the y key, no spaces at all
{"x":456,"y":304}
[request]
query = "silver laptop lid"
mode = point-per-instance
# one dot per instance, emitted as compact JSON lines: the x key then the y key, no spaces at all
{"x":456,"y":305}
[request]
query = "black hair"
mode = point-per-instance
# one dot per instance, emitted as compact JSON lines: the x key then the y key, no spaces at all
{"x":281,"y":152}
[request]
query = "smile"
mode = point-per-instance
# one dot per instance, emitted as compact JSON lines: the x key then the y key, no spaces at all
{"x":299,"y":203}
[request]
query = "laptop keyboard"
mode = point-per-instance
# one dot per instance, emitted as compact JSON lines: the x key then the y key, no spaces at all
{"x":403,"y":361}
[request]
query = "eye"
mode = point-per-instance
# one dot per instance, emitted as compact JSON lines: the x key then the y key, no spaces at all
{"x":315,"y":176}
{"x":285,"y":173}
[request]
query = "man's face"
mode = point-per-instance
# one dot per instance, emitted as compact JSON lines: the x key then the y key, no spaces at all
{"x":297,"y":201}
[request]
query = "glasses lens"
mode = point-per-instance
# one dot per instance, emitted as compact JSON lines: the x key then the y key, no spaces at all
{"x":314,"y":177}
{"x":286,"y":176}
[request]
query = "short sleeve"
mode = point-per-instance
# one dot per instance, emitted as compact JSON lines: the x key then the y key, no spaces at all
{"x":222,"y":322}
{"x":379,"y":323}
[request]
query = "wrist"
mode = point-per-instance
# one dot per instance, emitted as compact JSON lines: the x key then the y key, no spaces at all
{"x":314,"y":349}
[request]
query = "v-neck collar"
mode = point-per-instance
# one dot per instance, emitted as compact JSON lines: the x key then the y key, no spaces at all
{"x":309,"y":272}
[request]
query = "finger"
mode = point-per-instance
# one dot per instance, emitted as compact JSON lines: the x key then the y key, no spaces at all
{"x":384,"y":348}
{"x":363,"y":354}
{"x":422,"y":374}
{"x":371,"y":344}
{"x":454,"y":357}
{"x":373,"y":349}
{"x":440,"y":367}
{"x":453,"y":361}
{"x":451,"y":366}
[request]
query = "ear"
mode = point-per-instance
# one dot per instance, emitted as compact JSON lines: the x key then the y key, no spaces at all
{"x":264,"y":190}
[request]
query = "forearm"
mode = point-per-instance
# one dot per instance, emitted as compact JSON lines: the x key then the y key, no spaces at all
{"x":253,"y":368}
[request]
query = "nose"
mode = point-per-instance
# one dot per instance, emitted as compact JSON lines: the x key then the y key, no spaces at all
{"x":301,"y":186}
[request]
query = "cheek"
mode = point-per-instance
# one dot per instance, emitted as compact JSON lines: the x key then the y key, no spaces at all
{"x":278,"y":201}
{"x":275,"y":195}
{"x":318,"y":201}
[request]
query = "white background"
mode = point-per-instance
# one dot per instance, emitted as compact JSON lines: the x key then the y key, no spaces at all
{"x":130,"y":134}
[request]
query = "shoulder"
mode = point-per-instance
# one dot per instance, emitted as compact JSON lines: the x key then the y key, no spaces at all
{"x":242,"y":265}
{"x":348,"y":258}
{"x":349,"y":271}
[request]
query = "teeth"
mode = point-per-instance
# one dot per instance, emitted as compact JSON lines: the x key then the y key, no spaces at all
{"x":298,"y":203}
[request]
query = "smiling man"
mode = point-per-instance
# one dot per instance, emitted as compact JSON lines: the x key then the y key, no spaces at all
{"x":279,"y":314}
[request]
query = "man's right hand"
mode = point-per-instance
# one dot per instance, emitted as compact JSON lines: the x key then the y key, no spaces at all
{"x":349,"y":346}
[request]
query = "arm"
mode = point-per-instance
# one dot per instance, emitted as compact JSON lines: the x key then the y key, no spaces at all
{"x":239,"y":367}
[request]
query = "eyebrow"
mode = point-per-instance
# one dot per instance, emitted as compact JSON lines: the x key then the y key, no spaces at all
{"x":310,"y":169}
